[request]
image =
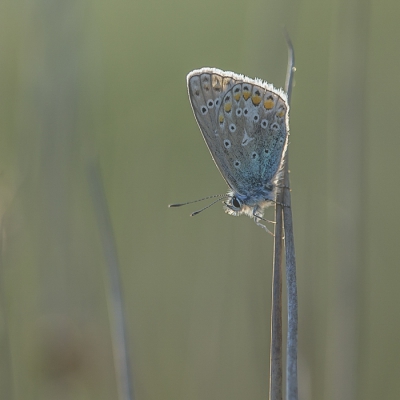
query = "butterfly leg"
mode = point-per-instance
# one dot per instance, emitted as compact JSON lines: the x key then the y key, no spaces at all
{"x":262,"y":226}
{"x":258,"y":218}
{"x":281,"y":204}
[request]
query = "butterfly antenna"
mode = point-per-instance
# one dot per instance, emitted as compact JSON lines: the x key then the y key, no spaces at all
{"x":220,"y":196}
{"x":205,"y":208}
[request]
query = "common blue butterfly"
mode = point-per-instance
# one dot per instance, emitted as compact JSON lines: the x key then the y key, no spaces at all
{"x":245,"y":125}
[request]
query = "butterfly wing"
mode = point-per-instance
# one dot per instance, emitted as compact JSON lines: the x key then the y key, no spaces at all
{"x":206,"y":88}
{"x":244,"y":123}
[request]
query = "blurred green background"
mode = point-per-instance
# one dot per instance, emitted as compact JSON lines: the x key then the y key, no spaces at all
{"x":83,"y":80}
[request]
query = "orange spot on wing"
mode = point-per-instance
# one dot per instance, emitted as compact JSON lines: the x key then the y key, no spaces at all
{"x":268,"y":104}
{"x":246,"y":94}
{"x":228,"y":107}
{"x":256,"y":100}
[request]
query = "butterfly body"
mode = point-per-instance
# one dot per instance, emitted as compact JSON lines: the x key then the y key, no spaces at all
{"x":244,"y":123}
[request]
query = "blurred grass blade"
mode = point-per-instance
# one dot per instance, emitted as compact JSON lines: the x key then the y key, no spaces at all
{"x":115,"y":301}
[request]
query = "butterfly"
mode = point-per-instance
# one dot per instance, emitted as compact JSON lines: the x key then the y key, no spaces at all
{"x":245,"y":125}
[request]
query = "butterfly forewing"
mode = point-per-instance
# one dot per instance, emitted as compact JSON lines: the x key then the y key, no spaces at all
{"x":244,"y":123}
{"x":206,"y":89}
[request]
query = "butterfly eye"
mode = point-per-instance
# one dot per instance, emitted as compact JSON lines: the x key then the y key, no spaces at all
{"x":232,"y":127}
{"x":204,"y":110}
{"x":236,"y":164}
{"x":245,"y":111}
{"x":216,"y":103}
{"x":239,"y":112}
{"x":264,"y":123}
{"x":256,"y":118}
{"x":210,"y":104}
{"x":253,"y":155}
{"x":275,"y":126}
{"x":235,"y":202}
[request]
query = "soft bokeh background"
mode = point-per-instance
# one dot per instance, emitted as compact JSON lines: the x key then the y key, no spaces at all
{"x":83,"y":80}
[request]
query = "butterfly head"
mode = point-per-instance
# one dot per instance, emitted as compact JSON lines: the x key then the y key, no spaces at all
{"x":237,"y":204}
{"x":234,"y":205}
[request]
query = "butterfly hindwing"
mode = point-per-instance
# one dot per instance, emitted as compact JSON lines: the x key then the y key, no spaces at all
{"x":244,"y":123}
